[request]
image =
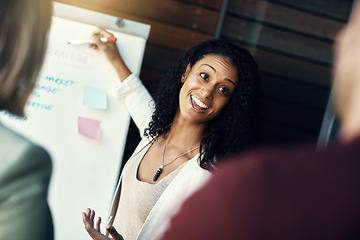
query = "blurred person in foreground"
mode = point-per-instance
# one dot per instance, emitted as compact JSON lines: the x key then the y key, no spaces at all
{"x":300,"y":193}
{"x":25,"y":168}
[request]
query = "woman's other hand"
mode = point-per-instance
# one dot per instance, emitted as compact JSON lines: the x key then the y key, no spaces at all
{"x":95,"y":232}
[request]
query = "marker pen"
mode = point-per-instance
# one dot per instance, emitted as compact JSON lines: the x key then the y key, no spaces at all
{"x":89,"y":41}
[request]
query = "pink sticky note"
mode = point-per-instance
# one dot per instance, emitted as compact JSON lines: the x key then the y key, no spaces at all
{"x":89,"y":128}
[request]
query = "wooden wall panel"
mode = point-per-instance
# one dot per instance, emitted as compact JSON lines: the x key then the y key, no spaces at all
{"x":334,"y":9}
{"x":279,"y":40}
{"x":291,"y":19}
{"x":292,"y":43}
{"x":174,"y":37}
{"x":215,"y":4}
{"x":159,"y":58}
{"x":174,"y":13}
{"x":293,"y":68}
{"x":306,"y":95}
{"x":296,"y":69}
{"x":291,"y":116}
{"x":275,"y":133}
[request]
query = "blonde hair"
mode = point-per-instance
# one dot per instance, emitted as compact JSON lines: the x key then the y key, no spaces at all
{"x":24,"y":26}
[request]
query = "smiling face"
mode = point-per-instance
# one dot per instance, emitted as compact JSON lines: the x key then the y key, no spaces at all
{"x":207,"y":88}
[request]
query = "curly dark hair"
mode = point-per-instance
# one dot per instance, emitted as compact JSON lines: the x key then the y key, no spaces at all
{"x":236,"y":128}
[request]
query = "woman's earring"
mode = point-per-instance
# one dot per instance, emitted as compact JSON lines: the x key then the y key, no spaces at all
{"x":182,"y":80}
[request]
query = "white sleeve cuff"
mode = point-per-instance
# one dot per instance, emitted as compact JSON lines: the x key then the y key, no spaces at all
{"x":128,"y":85}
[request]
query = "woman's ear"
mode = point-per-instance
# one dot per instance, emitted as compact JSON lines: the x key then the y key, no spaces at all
{"x":186,"y":73}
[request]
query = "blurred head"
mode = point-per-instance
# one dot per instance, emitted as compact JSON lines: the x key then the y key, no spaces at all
{"x":24,"y":26}
{"x":346,"y":73}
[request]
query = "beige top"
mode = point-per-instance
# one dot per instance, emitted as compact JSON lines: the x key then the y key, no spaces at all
{"x":137,"y":197}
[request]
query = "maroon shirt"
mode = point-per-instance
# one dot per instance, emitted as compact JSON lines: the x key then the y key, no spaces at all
{"x":293,"y":194}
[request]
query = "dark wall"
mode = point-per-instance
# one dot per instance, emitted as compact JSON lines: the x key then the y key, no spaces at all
{"x":291,"y":41}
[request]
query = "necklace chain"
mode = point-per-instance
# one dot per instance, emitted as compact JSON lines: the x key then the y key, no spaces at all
{"x":159,"y":171}
{"x":163,"y":155}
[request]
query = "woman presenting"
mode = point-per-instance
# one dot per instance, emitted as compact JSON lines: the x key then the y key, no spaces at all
{"x":206,"y":109}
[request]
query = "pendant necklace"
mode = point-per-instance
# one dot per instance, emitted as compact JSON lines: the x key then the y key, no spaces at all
{"x":160,"y":169}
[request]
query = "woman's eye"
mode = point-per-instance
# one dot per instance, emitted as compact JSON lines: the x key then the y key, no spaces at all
{"x":204,"y":76}
{"x":224,"y":90}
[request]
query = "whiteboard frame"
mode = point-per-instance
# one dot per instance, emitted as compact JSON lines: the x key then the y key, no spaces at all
{"x":107,"y":21}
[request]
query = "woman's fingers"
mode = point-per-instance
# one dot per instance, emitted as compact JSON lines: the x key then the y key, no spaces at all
{"x":109,"y":49}
{"x":85,"y":218}
{"x":95,"y":37}
{"x":87,"y":222}
{"x":88,"y":219}
{"x":88,"y":211}
{"x":97,"y":225}
{"x":96,"y":235}
{"x":92,"y":215}
{"x":102,"y":32}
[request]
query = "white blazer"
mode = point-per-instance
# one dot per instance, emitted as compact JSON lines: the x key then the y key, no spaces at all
{"x":190,"y":178}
